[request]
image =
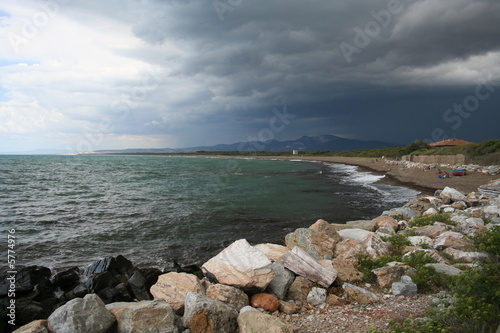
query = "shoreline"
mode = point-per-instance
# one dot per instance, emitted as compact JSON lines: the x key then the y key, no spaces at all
{"x":425,"y":182}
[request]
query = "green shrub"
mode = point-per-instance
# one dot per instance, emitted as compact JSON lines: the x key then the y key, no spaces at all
{"x":398,"y":243}
{"x":429,"y":220}
{"x":488,"y":241}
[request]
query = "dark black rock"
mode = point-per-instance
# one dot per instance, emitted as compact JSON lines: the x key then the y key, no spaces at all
{"x":80,"y":291}
{"x":190,"y":269}
{"x":68,"y":279}
{"x":99,"y":266}
{"x":139,"y":287}
{"x":28,"y":310}
{"x":29,"y":277}
{"x":101,"y":281}
{"x":151,"y":274}
{"x":111,"y":295}
{"x":117,"y":266}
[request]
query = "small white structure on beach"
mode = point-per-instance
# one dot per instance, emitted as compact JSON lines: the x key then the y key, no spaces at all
{"x":295,"y":152}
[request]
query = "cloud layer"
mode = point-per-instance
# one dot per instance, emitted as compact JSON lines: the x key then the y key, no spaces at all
{"x":86,"y":75}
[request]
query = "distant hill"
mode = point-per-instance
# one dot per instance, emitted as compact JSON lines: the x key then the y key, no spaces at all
{"x":305,"y":143}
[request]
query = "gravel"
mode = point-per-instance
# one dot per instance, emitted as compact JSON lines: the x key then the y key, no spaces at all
{"x":359,"y":318}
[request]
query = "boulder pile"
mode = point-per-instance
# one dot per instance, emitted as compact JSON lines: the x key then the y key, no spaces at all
{"x":245,"y":287}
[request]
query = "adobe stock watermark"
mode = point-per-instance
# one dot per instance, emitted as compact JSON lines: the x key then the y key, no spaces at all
{"x":221,"y":7}
{"x":31,"y":26}
{"x":120,"y":108}
{"x":372,"y":29}
{"x":455,"y":116}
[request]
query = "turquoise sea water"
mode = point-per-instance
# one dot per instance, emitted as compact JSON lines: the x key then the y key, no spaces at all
{"x":72,"y":210}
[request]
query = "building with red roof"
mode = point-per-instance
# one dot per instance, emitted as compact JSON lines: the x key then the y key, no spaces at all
{"x":449,"y":143}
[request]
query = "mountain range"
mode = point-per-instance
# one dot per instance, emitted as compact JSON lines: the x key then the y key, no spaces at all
{"x":305,"y":143}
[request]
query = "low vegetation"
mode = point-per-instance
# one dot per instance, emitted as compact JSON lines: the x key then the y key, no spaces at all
{"x":429,"y":220}
{"x":475,"y":302}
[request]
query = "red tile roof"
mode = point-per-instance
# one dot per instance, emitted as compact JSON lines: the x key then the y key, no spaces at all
{"x":450,"y":142}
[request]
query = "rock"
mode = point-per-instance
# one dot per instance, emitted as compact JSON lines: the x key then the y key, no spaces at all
{"x":459,"y":205}
{"x":375,"y":246}
{"x":451,"y":239}
{"x":316,"y":296}
{"x":254,"y":321}
{"x":301,"y":263}
{"x":272,"y":251}
{"x":265,"y":301}
{"x":67,"y":279}
{"x":345,"y":261}
{"x":449,"y":194}
{"x":299,"y":289}
{"x":241,"y":265}
{"x":490,"y":189}
{"x":464,"y":256}
{"x":36,"y":326}
{"x":405,"y":287}
{"x":283,"y":278}
{"x":493,"y":170}
{"x":383,"y":221}
{"x":325,"y":227}
{"x":358,"y":235}
{"x":368,"y":225}
{"x":348,"y":250}
{"x":29,"y":277}
{"x":492,"y":210}
{"x":429,"y":212}
{"x":334,"y":300}
{"x":404,"y":213}
{"x":347,"y":272}
{"x":139,"y":287}
{"x":81,"y":315}
{"x":470,"y":226}
{"x":385,"y":276}
{"x":203,"y":315}
{"x":356,"y":294}
{"x":445,"y":269}
{"x":289,"y":307}
{"x":146,"y":316}
{"x":432,"y":231}
{"x":317,"y":244}
{"x":173,"y":288}
{"x":117,"y":266}
{"x":98,"y":282}
{"x":421,"y":240}
{"x":230,"y":295}
{"x":28,"y":310}
{"x":372,"y":243}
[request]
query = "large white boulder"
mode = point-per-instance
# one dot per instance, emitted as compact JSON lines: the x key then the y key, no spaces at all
{"x":241,"y":265}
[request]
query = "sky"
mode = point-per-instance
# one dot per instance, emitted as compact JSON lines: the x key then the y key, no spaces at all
{"x":85,"y":75}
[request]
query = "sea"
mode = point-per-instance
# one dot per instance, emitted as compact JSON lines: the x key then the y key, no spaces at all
{"x":70,"y":210}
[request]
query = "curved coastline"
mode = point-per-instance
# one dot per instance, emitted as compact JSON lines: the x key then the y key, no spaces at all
{"x":425,"y":182}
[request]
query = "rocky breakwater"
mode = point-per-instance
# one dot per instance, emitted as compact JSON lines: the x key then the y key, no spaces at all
{"x":266,"y":287}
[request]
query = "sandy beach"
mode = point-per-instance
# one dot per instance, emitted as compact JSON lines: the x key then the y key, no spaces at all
{"x":427,"y":182}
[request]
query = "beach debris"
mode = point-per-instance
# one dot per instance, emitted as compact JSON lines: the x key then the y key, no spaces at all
{"x":301,"y":263}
